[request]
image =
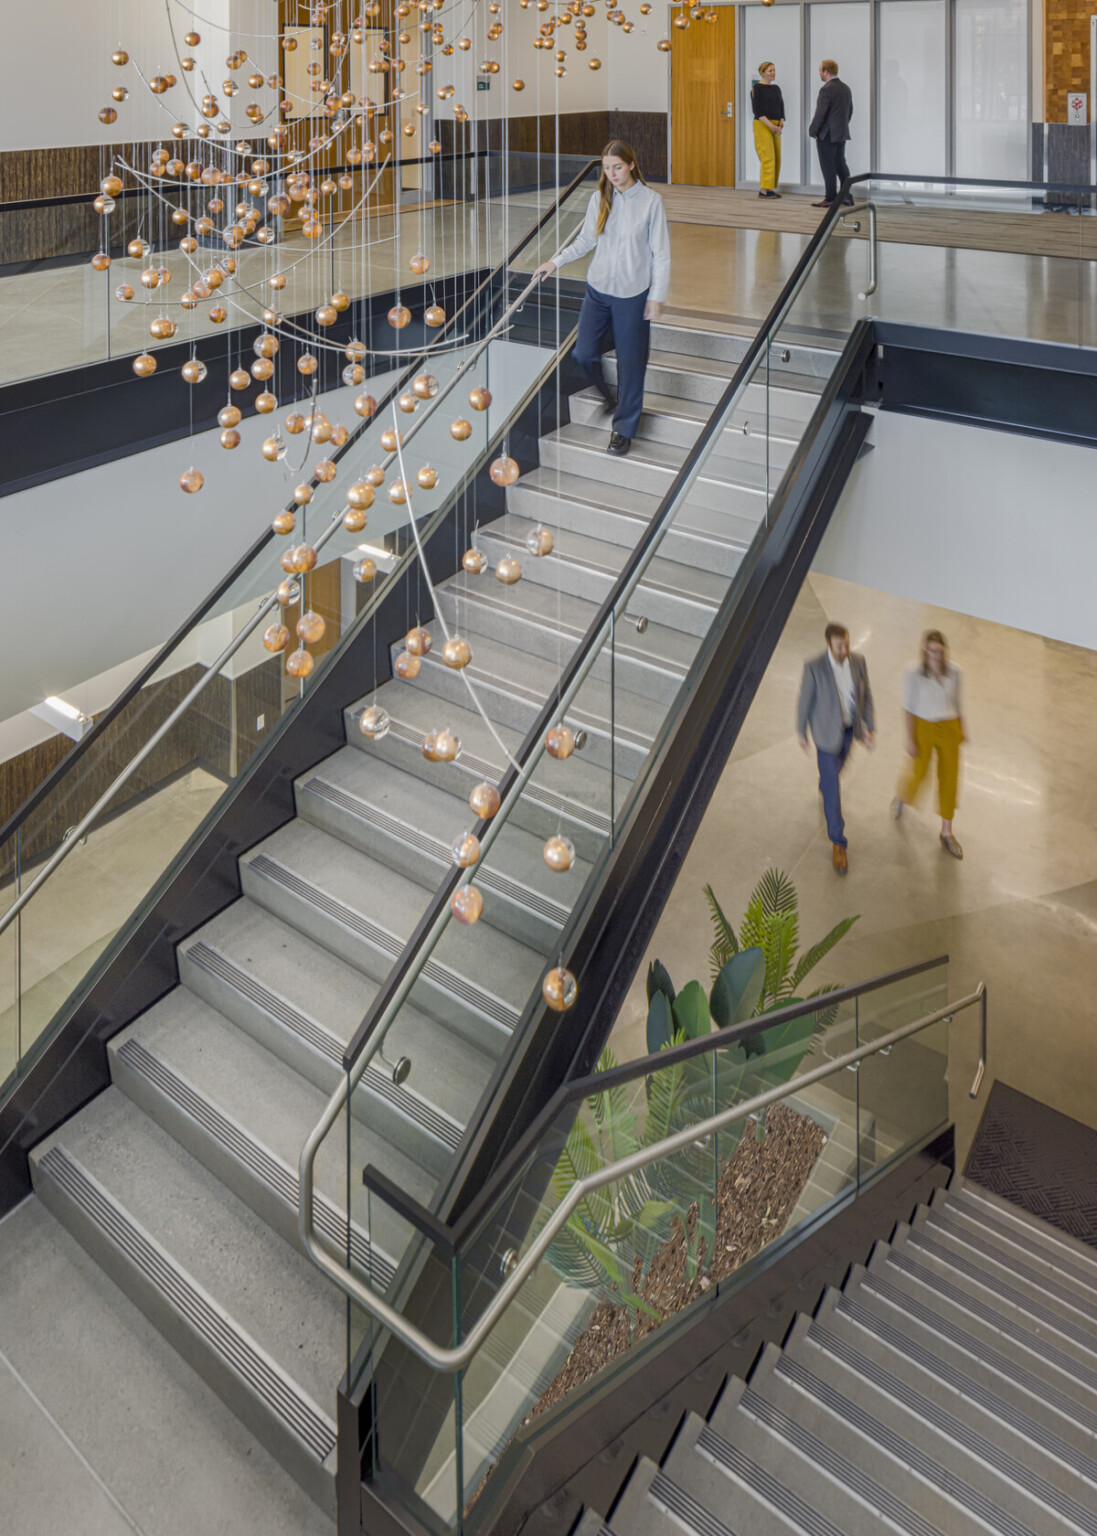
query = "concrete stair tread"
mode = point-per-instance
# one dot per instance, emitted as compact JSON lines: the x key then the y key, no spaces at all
{"x":721,"y":466}
{"x":436,"y":814}
{"x":567,"y":619}
{"x":701,"y":587}
{"x":577,"y":783}
{"x":327,"y":999}
{"x":851,"y":1440}
{"x":268,"y":1105}
{"x":391,"y":904}
{"x":982,"y":1204}
{"x":1072,"y":1314}
{"x":269,"y":1292}
{"x":1023,"y":1250}
{"x":630,"y":511}
{"x":1011,"y":1341}
{"x":938,"y":1386}
{"x":687,"y":417}
{"x":498,"y":668}
{"x":654,"y":1503}
{"x":737,"y":1447}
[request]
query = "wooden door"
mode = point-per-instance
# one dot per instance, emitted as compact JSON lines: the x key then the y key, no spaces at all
{"x":702,"y":100}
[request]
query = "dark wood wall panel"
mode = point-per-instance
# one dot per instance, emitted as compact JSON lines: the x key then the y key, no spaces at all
{"x":647,"y":133}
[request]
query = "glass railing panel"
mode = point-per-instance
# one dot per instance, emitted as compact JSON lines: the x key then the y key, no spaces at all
{"x":9,"y":951}
{"x":903,"y":1092}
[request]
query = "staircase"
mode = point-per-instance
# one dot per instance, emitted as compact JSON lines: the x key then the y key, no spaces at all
{"x":950,"y":1387}
{"x":180,"y":1179}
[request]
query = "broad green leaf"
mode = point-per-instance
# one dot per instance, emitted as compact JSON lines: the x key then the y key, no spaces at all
{"x":691,"y":1011}
{"x":738,"y":988}
{"x":660,"y":1023}
{"x":785,"y":1046}
{"x":659,"y":981}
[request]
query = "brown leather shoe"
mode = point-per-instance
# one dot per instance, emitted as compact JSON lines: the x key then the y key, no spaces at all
{"x":841,"y":862}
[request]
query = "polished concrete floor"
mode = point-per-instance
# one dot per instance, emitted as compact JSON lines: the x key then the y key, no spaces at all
{"x":1019,"y":912}
{"x":67,"y":316}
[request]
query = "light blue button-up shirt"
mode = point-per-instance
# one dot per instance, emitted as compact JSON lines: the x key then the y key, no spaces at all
{"x":632,"y":252}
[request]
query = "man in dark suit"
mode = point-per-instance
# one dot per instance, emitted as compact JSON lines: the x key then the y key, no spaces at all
{"x":836,"y":704}
{"x":830,"y":130}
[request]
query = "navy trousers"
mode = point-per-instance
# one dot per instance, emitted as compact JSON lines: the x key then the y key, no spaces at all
{"x":606,"y":321}
{"x":832,"y":163}
{"x":830,"y":766}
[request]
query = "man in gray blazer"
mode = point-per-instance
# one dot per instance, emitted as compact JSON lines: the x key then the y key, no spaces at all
{"x":836,"y":703}
{"x":830,"y":130}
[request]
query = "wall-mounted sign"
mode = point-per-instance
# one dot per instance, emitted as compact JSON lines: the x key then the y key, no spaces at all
{"x":1076,"y":107}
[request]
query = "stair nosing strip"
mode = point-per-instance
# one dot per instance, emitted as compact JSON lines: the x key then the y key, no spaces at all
{"x":597,"y":821}
{"x":1006,"y":1292}
{"x":262,"y":1375}
{"x":992,"y":1319}
{"x":596,"y":724}
{"x":684,"y":1507}
{"x":995,"y":1456}
{"x":260,"y":1162}
{"x":890,"y":1443}
{"x":971,"y":1199}
{"x":493,"y":879}
{"x":690,"y":599}
{"x":759,"y":1481}
{"x":989,"y":1401}
{"x":434,"y":1121}
{"x":492,"y":1008}
{"x":939,"y":1219}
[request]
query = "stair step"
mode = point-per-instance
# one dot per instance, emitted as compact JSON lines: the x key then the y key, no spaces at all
{"x":572,"y":796}
{"x":1045,"y":1306}
{"x":851,"y":1441}
{"x":1016,"y":1253}
{"x":740,"y":1452}
{"x":941,"y":1393}
{"x":806,"y":357}
{"x":307,"y":877}
{"x":712,"y":539}
{"x":553,"y":623}
{"x":303,"y":1004}
{"x":748,"y":435}
{"x":412,"y":826}
{"x":1010,"y":1223}
{"x":257,"y":1321}
{"x":245,"y":1117}
{"x":1035,"y":1350}
{"x":723,"y":483}
{"x":654,"y":1504}
{"x":514,"y":686}
{"x":678,"y":595}
{"x":718,"y":346}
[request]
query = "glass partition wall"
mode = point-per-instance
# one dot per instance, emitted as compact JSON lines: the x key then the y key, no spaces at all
{"x":940,"y":87}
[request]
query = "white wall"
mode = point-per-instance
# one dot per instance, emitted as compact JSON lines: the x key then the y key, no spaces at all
{"x":989,"y":523}
{"x":639,"y":75}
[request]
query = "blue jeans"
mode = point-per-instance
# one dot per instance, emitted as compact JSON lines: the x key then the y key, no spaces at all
{"x":601,"y":318}
{"x":830,"y":766}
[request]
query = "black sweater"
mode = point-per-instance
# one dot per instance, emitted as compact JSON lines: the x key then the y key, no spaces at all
{"x":767,"y":101}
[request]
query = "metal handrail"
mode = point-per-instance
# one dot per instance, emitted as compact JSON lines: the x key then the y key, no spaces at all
{"x":457,"y":1357}
{"x":76,"y":832}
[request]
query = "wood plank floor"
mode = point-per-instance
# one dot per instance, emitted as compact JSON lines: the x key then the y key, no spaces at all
{"x":972,"y":227}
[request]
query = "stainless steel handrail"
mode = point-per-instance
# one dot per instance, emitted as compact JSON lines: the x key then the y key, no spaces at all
{"x":77,"y":832}
{"x":456,"y":1358}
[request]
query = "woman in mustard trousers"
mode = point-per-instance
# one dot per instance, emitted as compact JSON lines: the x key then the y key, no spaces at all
{"x":769,"y":118}
{"x":934,"y":723}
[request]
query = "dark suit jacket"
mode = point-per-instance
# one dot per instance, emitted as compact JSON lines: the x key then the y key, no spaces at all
{"x":821,"y":709}
{"x":833,"y":110}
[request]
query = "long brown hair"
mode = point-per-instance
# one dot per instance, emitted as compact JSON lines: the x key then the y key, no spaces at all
{"x":932,"y":637}
{"x":620,"y":151}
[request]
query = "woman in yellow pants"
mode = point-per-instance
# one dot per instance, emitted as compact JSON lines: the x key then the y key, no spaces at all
{"x":934,"y":723}
{"x":768,"y":106}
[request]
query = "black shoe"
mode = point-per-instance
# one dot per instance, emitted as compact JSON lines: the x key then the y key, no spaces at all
{"x":618,"y":444}
{"x":769,"y":194}
{"x":608,"y":405}
{"x":847,"y":202}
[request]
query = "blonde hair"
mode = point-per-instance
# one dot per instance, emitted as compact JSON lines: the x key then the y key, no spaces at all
{"x":769,"y":64}
{"x":620,"y":151}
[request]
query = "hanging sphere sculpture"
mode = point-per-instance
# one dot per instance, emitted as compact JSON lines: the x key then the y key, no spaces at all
{"x":466,"y":904}
{"x":559,"y":989}
{"x":560,"y":742}
{"x":466,"y":850}
{"x":484,"y":801}
{"x":559,"y":854}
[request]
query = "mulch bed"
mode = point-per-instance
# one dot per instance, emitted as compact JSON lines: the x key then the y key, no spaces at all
{"x":757,"y":1192}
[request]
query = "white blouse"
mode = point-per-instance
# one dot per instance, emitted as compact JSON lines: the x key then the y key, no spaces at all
{"x":632,"y":252}
{"x":932,"y":698}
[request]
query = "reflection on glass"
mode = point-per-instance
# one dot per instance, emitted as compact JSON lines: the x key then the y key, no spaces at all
{"x":911,"y":94}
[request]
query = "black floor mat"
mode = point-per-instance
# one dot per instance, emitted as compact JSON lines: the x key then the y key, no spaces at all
{"x":1039,"y":1159}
